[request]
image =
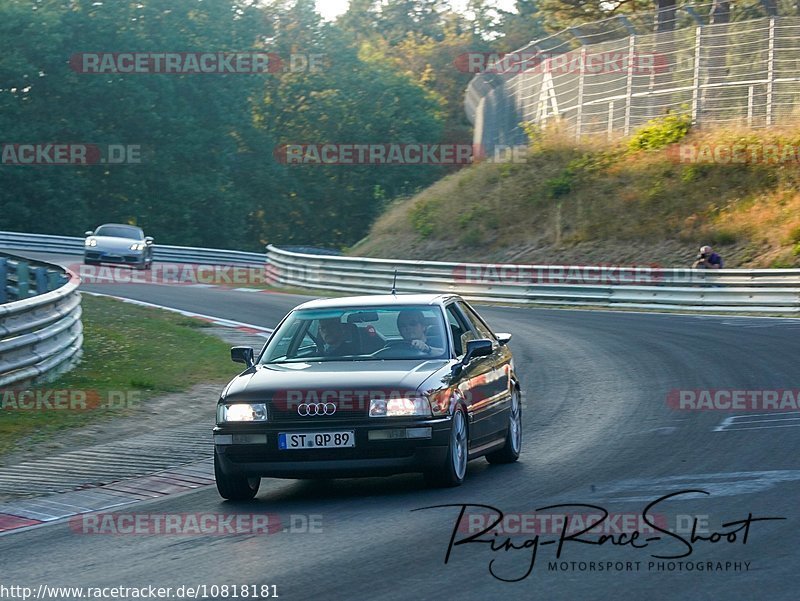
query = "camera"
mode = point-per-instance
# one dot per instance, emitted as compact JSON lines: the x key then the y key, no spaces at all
{"x":702,"y":257}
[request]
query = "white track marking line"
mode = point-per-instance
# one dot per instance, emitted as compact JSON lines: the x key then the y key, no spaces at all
{"x":211,"y":318}
{"x":740,"y":422}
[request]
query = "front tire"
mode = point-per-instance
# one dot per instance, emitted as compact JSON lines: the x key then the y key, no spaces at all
{"x":510,"y":451}
{"x":454,"y":470}
{"x":234,"y":488}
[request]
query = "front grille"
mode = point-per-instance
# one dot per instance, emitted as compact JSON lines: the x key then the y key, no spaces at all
{"x":283,"y":414}
{"x":313,"y":420}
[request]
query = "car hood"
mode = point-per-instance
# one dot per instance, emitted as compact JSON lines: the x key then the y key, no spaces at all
{"x":113,"y":244}
{"x":265,"y":382}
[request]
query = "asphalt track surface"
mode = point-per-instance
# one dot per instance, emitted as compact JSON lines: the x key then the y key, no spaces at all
{"x":597,"y":430}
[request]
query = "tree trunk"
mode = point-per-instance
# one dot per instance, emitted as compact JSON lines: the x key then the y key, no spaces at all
{"x":720,"y":12}
{"x":771,"y":7}
{"x":664,"y":55}
{"x":665,"y":17}
{"x":717,"y":70}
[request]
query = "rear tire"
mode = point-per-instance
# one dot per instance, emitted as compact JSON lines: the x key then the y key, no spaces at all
{"x":510,"y":451}
{"x":454,"y":470}
{"x":234,"y":488}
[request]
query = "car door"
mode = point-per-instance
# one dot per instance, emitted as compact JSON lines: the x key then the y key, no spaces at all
{"x":473,"y":380}
{"x":495,"y":387}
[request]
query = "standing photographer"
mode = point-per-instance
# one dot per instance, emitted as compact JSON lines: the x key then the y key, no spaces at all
{"x":707,"y":259}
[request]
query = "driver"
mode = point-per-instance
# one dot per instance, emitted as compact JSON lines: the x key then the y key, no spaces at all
{"x":411,"y":324}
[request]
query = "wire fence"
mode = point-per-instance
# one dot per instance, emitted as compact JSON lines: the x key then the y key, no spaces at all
{"x":612,"y":76}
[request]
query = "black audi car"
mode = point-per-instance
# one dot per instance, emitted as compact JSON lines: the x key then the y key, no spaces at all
{"x":370,"y":385}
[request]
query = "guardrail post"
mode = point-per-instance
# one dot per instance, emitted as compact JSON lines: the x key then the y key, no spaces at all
{"x":55,"y":280}
{"x":610,"y":125}
{"x":3,"y":280}
{"x":23,"y":280}
{"x":40,"y":275}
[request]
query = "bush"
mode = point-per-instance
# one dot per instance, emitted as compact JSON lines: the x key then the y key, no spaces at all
{"x":723,"y":237}
{"x":660,"y":132}
{"x":422,"y":216}
{"x":559,"y":186}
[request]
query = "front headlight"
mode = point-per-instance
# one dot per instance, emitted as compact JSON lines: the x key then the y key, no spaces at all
{"x":400,"y":407}
{"x":91,"y":242}
{"x":242,"y":412}
{"x":137,"y":246}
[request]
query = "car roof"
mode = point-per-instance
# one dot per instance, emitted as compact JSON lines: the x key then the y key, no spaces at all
{"x":377,"y":300}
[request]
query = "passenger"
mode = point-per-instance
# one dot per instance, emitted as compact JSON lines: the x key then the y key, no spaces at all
{"x":333,"y":337}
{"x":411,"y":324}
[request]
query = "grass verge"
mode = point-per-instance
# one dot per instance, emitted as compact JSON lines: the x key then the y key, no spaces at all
{"x":632,"y":201}
{"x":131,"y":354}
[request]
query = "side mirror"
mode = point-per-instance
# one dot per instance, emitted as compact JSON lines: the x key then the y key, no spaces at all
{"x":477,"y":348}
{"x":148,"y":239}
{"x":89,"y":233}
{"x":503,"y":338}
{"x":242,"y":354}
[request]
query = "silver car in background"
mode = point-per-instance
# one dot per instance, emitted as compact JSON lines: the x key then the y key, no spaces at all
{"x":120,"y":244}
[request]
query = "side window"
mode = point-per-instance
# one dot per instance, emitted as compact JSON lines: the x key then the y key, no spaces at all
{"x":477,"y":322}
{"x":460,"y":329}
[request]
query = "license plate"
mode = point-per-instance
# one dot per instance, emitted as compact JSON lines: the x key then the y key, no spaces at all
{"x":316,"y":440}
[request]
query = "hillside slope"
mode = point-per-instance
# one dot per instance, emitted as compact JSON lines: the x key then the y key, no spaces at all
{"x":639,"y":200}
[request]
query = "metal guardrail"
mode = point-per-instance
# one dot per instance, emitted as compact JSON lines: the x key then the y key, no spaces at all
{"x":22,"y":278}
{"x":40,"y":331}
{"x":70,"y":245}
{"x":643,"y":287}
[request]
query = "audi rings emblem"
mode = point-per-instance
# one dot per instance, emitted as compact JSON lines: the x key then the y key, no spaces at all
{"x":307,"y":409}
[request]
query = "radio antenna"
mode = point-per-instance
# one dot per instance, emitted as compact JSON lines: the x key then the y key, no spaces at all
{"x":394,"y":283}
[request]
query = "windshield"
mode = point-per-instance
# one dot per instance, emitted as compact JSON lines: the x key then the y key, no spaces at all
{"x":359,"y":334}
{"x":119,"y":231}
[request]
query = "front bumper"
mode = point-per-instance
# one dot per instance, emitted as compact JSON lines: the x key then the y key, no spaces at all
{"x":262,"y":457}
{"x":119,"y":258}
